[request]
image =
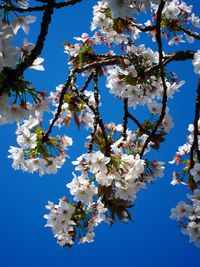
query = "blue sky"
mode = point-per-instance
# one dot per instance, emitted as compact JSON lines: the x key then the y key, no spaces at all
{"x":151,"y":240}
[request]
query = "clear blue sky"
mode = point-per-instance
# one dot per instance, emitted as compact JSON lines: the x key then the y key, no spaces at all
{"x":152,"y":240}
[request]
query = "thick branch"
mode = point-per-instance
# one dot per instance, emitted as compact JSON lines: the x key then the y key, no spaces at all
{"x":38,"y":8}
{"x":46,"y":20}
{"x":104,"y":60}
{"x":195,"y":145}
{"x":179,"y":56}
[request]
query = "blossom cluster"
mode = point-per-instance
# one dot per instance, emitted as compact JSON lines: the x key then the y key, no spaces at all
{"x":9,"y":55}
{"x":116,"y":174}
{"x":14,"y":93}
{"x":10,"y":112}
{"x":114,"y":179}
{"x":125,"y":9}
{"x":114,"y":20}
{"x":110,"y":29}
{"x":115,"y":168}
{"x":133,"y":77}
{"x":73,"y":106}
{"x":35,"y":152}
{"x":188,"y":215}
{"x":132,"y":83}
{"x":70,"y":222}
{"x":188,"y":173}
{"x":175,"y":15}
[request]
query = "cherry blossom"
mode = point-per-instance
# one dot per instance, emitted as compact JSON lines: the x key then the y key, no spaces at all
{"x":117,"y":161}
{"x":196,"y":62}
{"x":22,"y":22}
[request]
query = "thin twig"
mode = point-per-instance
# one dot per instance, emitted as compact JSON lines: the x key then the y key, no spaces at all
{"x":189,"y":32}
{"x":137,"y":123}
{"x":143,"y":29}
{"x":125,"y":118}
{"x":97,"y":63}
{"x":59,"y":108}
{"x":85,"y":86}
{"x":96,"y":115}
{"x":98,"y":119}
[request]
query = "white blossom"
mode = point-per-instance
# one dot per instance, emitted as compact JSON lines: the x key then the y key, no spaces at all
{"x":196,"y":62}
{"x":22,"y":22}
{"x":82,"y":189}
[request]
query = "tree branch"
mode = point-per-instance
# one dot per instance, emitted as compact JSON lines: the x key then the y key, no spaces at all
{"x":38,"y":8}
{"x":189,"y":32}
{"x":195,"y":145}
{"x":137,"y":123}
{"x":125,"y":118}
{"x":59,"y":108}
{"x":96,"y":114}
{"x":46,"y":20}
{"x":162,"y":75}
